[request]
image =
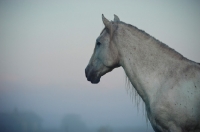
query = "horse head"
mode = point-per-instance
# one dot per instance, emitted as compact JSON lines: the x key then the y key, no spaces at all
{"x":105,"y":56}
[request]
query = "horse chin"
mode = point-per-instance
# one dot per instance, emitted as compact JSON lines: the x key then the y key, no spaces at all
{"x":94,"y":79}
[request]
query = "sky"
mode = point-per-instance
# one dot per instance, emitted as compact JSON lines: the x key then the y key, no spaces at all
{"x":46,"y":45}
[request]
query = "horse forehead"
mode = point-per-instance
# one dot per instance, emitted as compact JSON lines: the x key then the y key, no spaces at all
{"x":102,"y":35}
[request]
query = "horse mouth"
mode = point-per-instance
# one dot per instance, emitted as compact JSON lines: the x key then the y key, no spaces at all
{"x":92,"y":76}
{"x":94,"y":80}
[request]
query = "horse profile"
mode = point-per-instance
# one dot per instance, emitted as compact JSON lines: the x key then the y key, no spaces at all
{"x":167,"y":82}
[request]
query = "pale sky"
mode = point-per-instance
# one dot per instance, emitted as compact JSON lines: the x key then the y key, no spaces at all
{"x":46,"y":45}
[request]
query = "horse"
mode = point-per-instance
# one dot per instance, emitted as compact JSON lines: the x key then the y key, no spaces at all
{"x":167,"y":82}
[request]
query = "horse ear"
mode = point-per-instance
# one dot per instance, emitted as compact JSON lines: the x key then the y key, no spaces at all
{"x":106,"y":22}
{"x":116,"y":18}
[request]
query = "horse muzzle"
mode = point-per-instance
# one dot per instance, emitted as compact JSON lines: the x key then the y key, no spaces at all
{"x":91,"y":75}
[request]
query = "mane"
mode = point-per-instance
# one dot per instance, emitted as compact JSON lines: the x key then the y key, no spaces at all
{"x":135,"y":96}
{"x":162,"y":46}
{"x":102,"y":30}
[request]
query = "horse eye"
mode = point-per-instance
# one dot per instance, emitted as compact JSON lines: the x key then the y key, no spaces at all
{"x":98,"y":43}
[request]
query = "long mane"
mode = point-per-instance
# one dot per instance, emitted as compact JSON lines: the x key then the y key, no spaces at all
{"x":135,"y":96}
{"x":162,"y":46}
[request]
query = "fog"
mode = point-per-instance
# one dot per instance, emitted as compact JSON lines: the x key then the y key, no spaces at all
{"x":46,"y":45}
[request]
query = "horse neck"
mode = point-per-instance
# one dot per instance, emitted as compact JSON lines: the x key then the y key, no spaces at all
{"x":145,"y":61}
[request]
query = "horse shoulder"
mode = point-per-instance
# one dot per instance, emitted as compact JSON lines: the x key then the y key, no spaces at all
{"x":177,"y":101}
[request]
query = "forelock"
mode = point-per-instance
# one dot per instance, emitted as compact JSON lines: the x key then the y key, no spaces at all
{"x":103,"y":30}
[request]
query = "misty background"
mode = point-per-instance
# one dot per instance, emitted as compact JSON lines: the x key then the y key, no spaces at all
{"x":46,"y":45}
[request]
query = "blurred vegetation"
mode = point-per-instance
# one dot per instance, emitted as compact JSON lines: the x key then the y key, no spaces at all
{"x":73,"y":123}
{"x":20,"y":122}
{"x":17,"y":121}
